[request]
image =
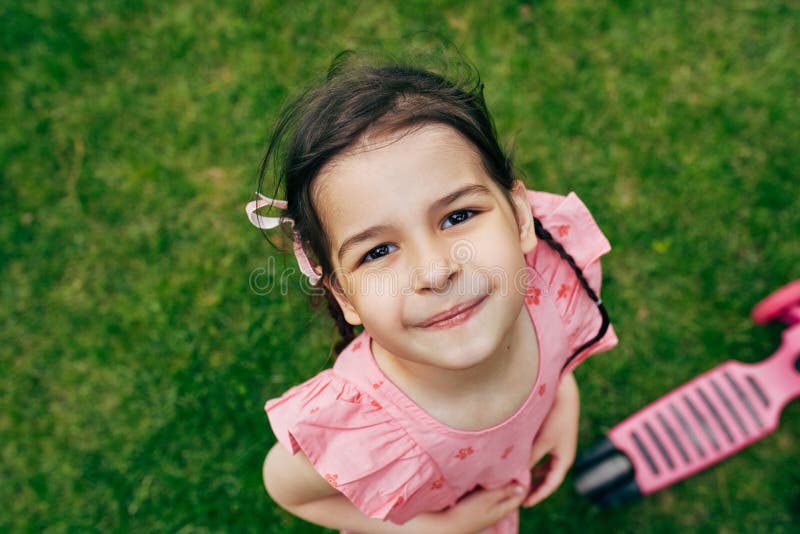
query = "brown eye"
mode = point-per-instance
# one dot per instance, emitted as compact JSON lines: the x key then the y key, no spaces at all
{"x":457,"y":217}
{"x":377,"y":252}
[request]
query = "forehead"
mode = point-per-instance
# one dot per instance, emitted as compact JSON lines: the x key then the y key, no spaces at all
{"x":388,"y":178}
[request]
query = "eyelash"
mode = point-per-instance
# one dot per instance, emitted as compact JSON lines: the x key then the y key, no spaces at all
{"x":458,"y":212}
{"x":365,"y":259}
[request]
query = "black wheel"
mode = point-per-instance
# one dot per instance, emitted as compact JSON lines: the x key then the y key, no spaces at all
{"x":609,"y":472}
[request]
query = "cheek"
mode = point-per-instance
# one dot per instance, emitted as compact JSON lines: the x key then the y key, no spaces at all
{"x":498,"y":249}
{"x":378,"y":284}
{"x":381,"y":315}
{"x":503,"y":262}
{"x":377,"y":295}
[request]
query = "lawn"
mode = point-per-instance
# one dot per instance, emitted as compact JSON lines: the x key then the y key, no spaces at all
{"x":135,"y":357}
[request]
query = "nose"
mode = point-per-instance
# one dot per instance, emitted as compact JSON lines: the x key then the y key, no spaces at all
{"x":435,"y":268}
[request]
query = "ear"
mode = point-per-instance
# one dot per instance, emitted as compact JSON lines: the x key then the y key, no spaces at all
{"x":524,"y":216}
{"x":351,"y":315}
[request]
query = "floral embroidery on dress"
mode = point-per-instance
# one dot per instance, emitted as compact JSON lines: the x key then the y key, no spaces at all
{"x":563,"y":230}
{"x":376,"y":385}
{"x":315,"y":409}
{"x":463,"y":453}
{"x":533,"y":295}
{"x":356,"y":345}
{"x":542,"y":390}
{"x":562,"y":291}
{"x":332,"y":479}
{"x":438,"y":483}
{"x":507,"y":452}
{"x":400,"y":500}
{"x":376,"y":404}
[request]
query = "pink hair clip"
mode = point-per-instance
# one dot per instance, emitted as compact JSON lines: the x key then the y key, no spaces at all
{"x":268,"y":223}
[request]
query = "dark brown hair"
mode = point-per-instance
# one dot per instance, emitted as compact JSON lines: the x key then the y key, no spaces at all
{"x":354,"y":100}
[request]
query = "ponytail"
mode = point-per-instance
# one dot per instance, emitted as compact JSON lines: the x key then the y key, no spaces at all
{"x":546,"y":236}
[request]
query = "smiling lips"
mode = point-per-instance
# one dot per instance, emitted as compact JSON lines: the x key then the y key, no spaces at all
{"x":455,"y":315}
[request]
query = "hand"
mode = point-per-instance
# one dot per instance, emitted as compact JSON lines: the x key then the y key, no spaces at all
{"x":478,"y":510}
{"x":557,"y":439}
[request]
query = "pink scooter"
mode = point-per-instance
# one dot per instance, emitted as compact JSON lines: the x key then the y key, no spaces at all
{"x":700,"y":423}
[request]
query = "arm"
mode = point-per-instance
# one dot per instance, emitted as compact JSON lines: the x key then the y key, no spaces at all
{"x":294,"y":484}
{"x":557,"y":438}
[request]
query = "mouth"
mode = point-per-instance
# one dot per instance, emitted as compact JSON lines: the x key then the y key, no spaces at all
{"x":455,"y":315}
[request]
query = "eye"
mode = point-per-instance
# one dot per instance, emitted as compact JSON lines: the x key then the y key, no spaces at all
{"x":457,"y":217}
{"x":377,"y":253}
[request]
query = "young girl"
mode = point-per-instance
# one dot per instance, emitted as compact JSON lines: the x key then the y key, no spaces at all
{"x":477,"y":299}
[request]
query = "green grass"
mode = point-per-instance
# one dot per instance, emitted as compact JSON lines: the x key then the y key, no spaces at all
{"x":135,"y":359}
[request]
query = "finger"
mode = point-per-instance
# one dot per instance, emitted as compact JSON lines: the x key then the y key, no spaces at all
{"x":512,"y":500}
{"x":551,"y":482}
{"x":493,"y":505}
{"x":507,"y":498}
{"x":548,"y":485}
{"x":510,"y":492}
{"x":488,"y":499}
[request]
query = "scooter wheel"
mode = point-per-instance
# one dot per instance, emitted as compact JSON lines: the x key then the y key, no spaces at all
{"x":607,"y":473}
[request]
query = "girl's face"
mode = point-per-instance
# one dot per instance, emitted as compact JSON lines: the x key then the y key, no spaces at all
{"x":417,"y":227}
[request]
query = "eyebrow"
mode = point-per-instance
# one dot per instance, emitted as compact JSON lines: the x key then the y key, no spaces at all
{"x":373,"y":231}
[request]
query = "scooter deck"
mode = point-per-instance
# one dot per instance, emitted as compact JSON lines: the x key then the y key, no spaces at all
{"x":701,"y":422}
{"x":709,"y":418}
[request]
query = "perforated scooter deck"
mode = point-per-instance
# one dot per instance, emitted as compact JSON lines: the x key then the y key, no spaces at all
{"x":709,"y":418}
{"x":701,"y":422}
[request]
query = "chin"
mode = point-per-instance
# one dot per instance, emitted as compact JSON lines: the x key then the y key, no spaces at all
{"x":473,"y":351}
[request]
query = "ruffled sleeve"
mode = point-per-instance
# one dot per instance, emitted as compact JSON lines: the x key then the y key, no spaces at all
{"x":354,"y":444}
{"x":572,"y":225}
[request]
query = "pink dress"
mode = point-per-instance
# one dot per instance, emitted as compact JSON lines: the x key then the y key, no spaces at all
{"x":391,"y":458}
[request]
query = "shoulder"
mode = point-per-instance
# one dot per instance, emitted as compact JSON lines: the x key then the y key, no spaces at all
{"x":355,"y":445}
{"x":571,"y":224}
{"x":326,"y":402}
